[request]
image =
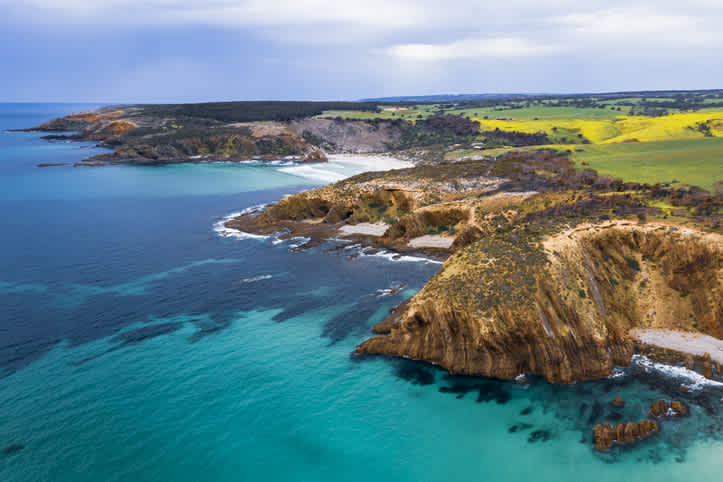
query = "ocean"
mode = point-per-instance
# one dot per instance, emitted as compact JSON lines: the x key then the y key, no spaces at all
{"x":139,"y":341}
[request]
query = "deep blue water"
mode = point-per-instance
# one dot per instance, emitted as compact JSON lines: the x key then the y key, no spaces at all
{"x":137,"y":343}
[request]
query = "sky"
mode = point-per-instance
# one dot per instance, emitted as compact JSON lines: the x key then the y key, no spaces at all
{"x":193,"y":51}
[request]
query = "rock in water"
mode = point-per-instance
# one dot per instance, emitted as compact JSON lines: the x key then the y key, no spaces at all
{"x":679,"y":408}
{"x":605,"y":435}
{"x":618,"y":402}
{"x":661,"y":408}
{"x":658,"y":409}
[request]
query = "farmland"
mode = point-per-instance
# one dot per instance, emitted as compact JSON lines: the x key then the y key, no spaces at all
{"x":697,"y":162}
{"x":656,"y":138}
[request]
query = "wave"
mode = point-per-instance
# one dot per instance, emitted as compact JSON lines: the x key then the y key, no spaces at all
{"x":220,"y":226}
{"x":391,"y":256}
{"x":299,"y":241}
{"x":253,"y":279}
{"x":696,"y":381}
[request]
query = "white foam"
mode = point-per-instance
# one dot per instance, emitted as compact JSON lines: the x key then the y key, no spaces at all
{"x":697,"y":381}
{"x":253,"y":279}
{"x":399,"y":258}
{"x":301,"y":240}
{"x":220,"y":228}
{"x":255,"y":209}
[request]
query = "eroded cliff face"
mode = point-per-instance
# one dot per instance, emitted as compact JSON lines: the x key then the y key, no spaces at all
{"x":559,"y":306}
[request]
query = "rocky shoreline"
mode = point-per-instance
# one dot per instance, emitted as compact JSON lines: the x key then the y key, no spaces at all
{"x":548,"y":269}
{"x":243,"y":131}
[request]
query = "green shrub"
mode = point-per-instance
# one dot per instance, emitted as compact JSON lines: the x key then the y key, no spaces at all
{"x":632,"y":263}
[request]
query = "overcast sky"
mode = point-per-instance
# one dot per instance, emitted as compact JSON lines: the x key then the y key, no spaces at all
{"x":183,"y":50}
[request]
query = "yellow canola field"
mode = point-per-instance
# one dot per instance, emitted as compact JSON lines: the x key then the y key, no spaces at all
{"x":621,"y":128}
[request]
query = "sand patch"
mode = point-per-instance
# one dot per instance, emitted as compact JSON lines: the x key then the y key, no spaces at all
{"x":686,"y":342}
{"x":365,"y":229}
{"x":432,"y":241}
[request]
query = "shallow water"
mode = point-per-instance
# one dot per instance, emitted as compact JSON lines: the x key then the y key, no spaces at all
{"x":138,"y":343}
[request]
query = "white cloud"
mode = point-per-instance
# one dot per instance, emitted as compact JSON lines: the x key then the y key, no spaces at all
{"x":642,"y":30}
{"x":414,"y":30}
{"x":470,"y":48}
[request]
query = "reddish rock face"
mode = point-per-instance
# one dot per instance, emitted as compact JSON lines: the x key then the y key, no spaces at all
{"x":605,"y":435}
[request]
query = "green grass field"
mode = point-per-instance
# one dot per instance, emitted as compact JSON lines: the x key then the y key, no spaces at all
{"x":698,"y":162}
{"x":543,"y":112}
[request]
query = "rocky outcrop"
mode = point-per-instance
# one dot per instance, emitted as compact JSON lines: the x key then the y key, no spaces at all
{"x":605,"y":435}
{"x":344,"y":136}
{"x":79,"y":121}
{"x":707,"y":366}
{"x":661,"y":408}
{"x":560,"y":306}
{"x":679,"y":408}
{"x":315,"y":155}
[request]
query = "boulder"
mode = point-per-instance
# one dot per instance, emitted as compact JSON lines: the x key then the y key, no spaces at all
{"x":617,"y":402}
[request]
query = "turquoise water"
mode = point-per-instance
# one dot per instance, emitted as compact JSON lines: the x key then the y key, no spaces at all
{"x":138,"y":344}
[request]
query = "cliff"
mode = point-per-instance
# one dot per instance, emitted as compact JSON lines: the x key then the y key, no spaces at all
{"x":559,"y":306}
